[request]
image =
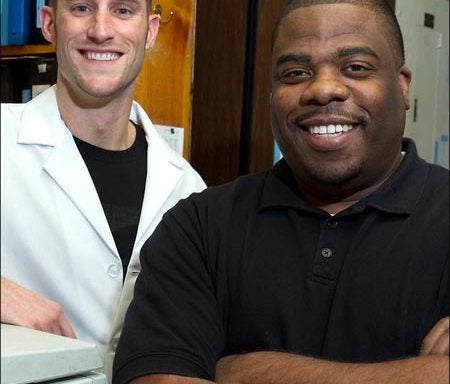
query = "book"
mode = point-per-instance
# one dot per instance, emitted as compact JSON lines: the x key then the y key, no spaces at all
{"x":19,"y":22}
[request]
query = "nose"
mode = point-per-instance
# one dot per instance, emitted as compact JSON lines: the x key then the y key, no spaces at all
{"x":324,"y":87}
{"x":101,"y":27}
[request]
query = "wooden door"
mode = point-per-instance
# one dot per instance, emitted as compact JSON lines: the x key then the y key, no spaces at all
{"x":231,"y":132}
{"x":218,"y":81}
{"x":164,"y":84}
{"x":262,"y":141}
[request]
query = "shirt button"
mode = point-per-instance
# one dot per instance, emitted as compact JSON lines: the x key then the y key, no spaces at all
{"x":332,"y":224}
{"x":326,"y":252}
{"x":114,"y":270}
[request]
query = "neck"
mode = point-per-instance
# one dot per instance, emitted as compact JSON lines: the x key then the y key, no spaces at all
{"x":319,"y":196}
{"x":335,"y":204}
{"x":103,"y":123}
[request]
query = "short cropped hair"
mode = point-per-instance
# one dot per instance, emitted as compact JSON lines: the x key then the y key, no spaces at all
{"x":381,"y":8}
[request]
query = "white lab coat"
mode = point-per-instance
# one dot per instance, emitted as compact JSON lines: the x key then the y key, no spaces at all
{"x":55,"y":238}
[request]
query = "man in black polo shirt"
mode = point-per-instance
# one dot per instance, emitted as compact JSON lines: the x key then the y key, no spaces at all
{"x":330,"y":268}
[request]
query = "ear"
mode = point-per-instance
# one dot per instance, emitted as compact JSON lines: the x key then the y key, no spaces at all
{"x":404,"y":78}
{"x":48,"y":24}
{"x":153,"y":27}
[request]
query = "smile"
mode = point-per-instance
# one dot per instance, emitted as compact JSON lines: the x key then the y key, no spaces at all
{"x":101,"y":56}
{"x":330,"y":129}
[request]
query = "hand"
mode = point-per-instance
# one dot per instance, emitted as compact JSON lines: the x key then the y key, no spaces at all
{"x":20,"y":306}
{"x":436,"y":342}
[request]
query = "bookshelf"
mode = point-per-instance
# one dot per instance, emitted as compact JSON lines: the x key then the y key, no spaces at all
{"x":25,"y":70}
{"x":25,"y":50}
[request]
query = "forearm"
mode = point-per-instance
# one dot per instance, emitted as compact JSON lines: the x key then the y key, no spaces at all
{"x":281,"y":368}
{"x":168,"y":379}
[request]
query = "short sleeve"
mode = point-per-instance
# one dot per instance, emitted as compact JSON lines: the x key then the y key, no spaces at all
{"x":173,"y":324}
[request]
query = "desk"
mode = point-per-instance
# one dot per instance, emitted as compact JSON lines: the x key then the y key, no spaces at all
{"x":29,"y":356}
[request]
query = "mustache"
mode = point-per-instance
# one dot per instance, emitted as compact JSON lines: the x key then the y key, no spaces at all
{"x":329,"y":111}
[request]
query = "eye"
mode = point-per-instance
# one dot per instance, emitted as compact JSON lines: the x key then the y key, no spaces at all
{"x":80,"y":9}
{"x":294,"y":76}
{"x":355,"y":68}
{"x":125,"y":8}
{"x":123,"y":11}
{"x":358,"y":70}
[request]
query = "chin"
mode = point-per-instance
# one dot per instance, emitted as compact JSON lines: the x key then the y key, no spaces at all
{"x":335,"y":175}
{"x":101,"y":90}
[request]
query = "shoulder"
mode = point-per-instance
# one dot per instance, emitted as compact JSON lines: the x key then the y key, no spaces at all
{"x":437,"y":184}
{"x":244,"y":187}
{"x":438,"y":176}
{"x":217,"y":202}
{"x":10,"y":113}
{"x":10,"y":122}
{"x":431,"y":181}
{"x":436,"y":197}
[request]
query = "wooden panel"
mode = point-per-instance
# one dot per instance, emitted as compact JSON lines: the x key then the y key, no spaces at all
{"x":218,"y":82}
{"x":22,"y":50}
{"x":261,"y":156}
{"x":164,"y":84}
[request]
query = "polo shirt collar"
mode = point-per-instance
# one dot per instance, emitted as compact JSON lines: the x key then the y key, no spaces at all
{"x":398,"y":195}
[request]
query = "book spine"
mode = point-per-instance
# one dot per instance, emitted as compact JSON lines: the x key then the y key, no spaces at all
{"x":19,"y":22}
{"x":5,"y":21}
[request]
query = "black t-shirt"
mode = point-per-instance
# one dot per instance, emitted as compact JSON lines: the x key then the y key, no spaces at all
{"x":249,"y":266}
{"x":119,"y":178}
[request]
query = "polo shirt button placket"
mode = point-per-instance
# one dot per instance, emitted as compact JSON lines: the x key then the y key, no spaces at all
{"x":326,"y":252}
{"x":332,"y":224}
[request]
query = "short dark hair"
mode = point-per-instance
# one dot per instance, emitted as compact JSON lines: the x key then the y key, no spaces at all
{"x":380,"y":7}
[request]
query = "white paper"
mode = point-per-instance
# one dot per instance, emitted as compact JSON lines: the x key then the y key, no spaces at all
{"x":37,"y":89}
{"x":174,"y":136}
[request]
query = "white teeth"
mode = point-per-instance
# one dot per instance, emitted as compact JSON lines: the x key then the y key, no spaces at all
{"x":102,"y":56}
{"x":330,"y":129}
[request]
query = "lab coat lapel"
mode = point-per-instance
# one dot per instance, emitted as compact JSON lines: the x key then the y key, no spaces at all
{"x":163,"y":174}
{"x":41,"y":125}
{"x":67,"y":168}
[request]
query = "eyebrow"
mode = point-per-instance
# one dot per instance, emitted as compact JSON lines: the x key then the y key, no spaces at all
{"x":294,"y":58}
{"x":353,"y":51}
{"x":304,"y":58}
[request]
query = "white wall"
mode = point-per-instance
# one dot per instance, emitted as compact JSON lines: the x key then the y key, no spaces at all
{"x":427,"y":54}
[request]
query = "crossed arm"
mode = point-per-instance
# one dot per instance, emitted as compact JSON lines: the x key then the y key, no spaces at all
{"x":26,"y":308}
{"x":432,"y":366}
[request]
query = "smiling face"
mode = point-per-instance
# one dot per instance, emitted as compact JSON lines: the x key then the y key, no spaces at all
{"x":338,"y":98}
{"x":100,"y":44}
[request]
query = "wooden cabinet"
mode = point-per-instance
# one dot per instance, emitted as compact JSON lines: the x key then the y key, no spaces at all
{"x":164,"y":84}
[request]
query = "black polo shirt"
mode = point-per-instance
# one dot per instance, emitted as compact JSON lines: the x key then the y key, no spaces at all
{"x":249,"y":266}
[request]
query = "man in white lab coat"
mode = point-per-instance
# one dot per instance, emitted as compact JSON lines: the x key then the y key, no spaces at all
{"x":85,"y":177}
